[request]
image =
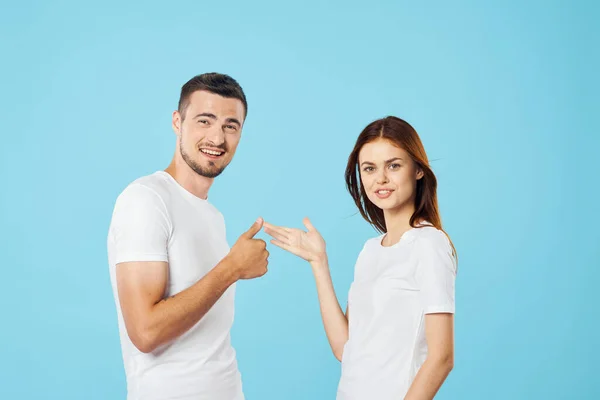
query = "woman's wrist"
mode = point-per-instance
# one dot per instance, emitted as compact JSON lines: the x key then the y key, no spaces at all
{"x":320,"y":263}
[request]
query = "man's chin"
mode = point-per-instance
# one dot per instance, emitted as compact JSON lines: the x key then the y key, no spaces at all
{"x":209,"y":171}
{"x":203,"y":166}
{"x":211,"y":174}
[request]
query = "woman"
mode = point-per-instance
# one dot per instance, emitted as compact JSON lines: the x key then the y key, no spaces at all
{"x":395,"y":340}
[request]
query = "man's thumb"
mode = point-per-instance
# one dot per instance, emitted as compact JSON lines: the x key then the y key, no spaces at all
{"x":254,"y":229}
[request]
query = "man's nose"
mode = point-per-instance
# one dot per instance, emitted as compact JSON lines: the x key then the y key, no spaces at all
{"x":216,"y":136}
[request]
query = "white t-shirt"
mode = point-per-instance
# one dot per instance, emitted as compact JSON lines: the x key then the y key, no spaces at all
{"x":393,"y":288}
{"x":156,"y":219}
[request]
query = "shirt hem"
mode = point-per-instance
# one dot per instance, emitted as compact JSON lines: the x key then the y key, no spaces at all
{"x":449,"y":309}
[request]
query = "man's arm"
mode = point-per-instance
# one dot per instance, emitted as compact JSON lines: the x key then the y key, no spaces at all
{"x":152,"y":320}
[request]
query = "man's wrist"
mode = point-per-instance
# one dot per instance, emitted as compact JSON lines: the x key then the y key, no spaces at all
{"x":228,"y":271}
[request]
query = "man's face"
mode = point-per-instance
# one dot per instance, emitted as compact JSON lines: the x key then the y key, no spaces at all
{"x":209,"y":131}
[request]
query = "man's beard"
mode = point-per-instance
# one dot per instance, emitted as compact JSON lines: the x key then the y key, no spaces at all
{"x":210,"y":172}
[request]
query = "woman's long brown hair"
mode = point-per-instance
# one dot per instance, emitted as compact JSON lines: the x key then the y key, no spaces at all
{"x":403,"y":135}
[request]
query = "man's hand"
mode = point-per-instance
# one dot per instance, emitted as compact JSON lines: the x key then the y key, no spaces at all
{"x":249,"y":256}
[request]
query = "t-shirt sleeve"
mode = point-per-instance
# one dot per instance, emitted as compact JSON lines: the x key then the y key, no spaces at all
{"x":436,"y":273}
{"x":140,"y":226}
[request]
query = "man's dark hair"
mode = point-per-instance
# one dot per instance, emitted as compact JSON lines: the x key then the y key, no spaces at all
{"x":213,"y":82}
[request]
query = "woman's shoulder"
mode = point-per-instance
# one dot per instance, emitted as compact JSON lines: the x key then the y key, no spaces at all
{"x":373,"y":241}
{"x":429,"y":236}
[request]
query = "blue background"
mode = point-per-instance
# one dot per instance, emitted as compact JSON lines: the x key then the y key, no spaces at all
{"x":503,"y":96}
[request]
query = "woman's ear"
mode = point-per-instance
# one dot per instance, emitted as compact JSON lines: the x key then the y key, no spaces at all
{"x":419,"y":173}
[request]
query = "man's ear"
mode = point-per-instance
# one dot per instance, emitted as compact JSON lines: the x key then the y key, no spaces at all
{"x":176,"y":123}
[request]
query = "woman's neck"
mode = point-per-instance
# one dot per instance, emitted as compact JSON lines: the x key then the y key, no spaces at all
{"x":397,"y":222}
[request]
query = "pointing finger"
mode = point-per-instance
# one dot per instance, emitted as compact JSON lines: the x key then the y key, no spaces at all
{"x":254,"y":229}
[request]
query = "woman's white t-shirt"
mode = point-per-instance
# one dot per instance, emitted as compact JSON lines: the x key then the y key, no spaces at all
{"x":394,"y":287}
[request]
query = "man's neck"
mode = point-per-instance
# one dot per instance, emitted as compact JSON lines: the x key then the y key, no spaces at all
{"x":197,"y":185}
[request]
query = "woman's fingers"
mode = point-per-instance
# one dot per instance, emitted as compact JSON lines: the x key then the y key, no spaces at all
{"x":283,"y":229}
{"x":278,"y":236}
{"x":308,"y":224}
{"x":292,"y":249}
{"x":277,"y":232}
{"x":284,"y":246}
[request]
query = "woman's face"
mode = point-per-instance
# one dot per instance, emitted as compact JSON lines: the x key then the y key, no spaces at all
{"x":388,"y":174}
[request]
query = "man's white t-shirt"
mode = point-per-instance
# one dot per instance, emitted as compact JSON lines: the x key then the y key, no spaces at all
{"x":156,"y":219}
{"x":393,"y":288}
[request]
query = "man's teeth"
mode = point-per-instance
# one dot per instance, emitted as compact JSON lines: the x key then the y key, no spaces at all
{"x":212,"y":153}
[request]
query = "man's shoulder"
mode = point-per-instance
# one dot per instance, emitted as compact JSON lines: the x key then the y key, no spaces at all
{"x":141,"y":203}
{"x":154,"y":186}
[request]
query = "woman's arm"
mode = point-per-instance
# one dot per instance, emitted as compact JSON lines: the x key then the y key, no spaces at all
{"x":439,"y":333}
{"x":435,"y":277}
{"x":334,"y":320}
{"x":310,"y":246}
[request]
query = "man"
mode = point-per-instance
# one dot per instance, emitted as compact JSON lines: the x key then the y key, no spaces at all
{"x":172,"y":271}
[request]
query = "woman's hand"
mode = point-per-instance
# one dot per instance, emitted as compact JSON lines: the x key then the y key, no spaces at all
{"x":307,"y":245}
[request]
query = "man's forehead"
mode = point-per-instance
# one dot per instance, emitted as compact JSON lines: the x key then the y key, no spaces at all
{"x":204,"y":99}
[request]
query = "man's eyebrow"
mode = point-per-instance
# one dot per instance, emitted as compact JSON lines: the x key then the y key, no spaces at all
{"x":214,"y":117}
{"x":209,"y":115}
{"x":234,"y":120}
